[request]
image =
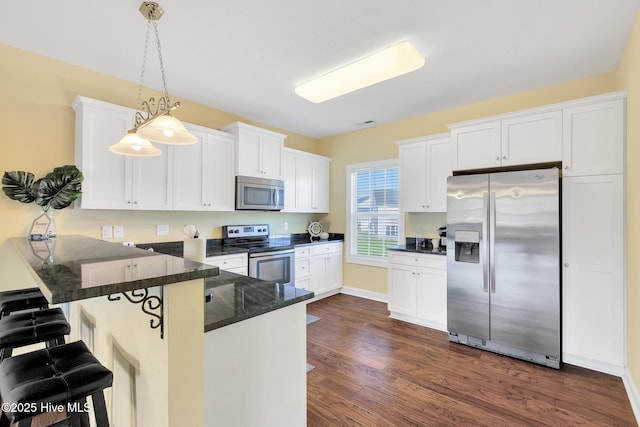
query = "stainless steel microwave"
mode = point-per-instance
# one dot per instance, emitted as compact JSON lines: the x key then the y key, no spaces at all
{"x":259,"y":194}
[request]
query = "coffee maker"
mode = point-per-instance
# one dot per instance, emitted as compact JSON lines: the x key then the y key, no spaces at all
{"x":442,"y":232}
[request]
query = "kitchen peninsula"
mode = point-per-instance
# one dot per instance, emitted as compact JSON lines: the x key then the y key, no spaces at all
{"x":143,"y":315}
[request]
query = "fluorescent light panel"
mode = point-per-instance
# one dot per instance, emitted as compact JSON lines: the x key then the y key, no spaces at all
{"x":386,"y":64}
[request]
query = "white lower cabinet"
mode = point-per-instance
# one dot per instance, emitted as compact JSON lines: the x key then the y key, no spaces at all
{"x":235,"y":263}
{"x":319,"y":267}
{"x":593,"y":290}
{"x":418,"y":288}
{"x":303,"y":269}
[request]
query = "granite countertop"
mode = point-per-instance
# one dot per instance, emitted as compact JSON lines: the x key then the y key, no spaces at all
{"x":216,"y":248}
{"x":412,"y":248}
{"x":70,"y":268}
{"x":231,"y":298}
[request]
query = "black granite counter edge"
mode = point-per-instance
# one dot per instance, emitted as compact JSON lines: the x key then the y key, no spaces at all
{"x":99,"y":291}
{"x":61,"y":280}
{"x":249,"y":314}
{"x":216,"y":248}
{"x":316,"y":241}
{"x":403,"y":248}
{"x":226,"y":277}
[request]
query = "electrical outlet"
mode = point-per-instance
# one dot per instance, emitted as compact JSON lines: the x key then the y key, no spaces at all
{"x":107,"y":232}
{"x":118,"y":231}
{"x":286,"y":226}
{"x":162,"y":230}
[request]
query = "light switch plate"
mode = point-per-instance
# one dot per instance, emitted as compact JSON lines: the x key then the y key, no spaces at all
{"x":162,"y":230}
{"x":118,"y":231}
{"x":107,"y":232}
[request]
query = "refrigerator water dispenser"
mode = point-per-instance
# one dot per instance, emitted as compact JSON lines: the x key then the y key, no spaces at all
{"x":467,"y":246}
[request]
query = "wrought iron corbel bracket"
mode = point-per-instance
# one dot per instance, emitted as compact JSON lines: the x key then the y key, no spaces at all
{"x":150,"y":304}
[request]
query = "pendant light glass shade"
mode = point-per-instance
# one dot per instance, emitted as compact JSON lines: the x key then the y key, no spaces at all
{"x":166,"y":129}
{"x":153,"y":121}
{"x":133,"y":145}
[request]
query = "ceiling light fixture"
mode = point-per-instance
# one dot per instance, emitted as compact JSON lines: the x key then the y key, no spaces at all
{"x":386,"y":64}
{"x":155,"y":122}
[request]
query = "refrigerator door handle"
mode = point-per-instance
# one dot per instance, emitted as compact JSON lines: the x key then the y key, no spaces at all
{"x":485,"y":242}
{"x":492,"y":242}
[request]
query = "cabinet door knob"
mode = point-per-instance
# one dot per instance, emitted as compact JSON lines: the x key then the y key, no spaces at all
{"x":128,"y":202}
{"x":504,"y":157}
{"x":497,"y":157}
{"x":566,"y":166}
{"x":566,"y":264}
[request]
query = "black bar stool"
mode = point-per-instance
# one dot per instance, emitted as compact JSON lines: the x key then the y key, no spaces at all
{"x":21,"y":299}
{"x":33,"y":383}
{"x":20,"y":329}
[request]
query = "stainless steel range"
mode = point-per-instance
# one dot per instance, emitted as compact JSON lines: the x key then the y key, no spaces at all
{"x":269,"y":259}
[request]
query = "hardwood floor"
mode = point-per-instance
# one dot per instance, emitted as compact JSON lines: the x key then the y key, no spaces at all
{"x":373,"y":370}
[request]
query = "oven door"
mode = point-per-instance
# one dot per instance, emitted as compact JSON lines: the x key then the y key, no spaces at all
{"x":277,"y":267}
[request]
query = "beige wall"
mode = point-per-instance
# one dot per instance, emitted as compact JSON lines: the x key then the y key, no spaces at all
{"x":629,"y":79}
{"x":378,"y":143}
{"x":37,"y":125}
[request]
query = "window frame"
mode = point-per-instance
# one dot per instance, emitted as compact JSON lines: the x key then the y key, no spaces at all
{"x":352,"y":258}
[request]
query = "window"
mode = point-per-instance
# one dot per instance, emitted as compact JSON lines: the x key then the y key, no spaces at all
{"x":374,"y":221}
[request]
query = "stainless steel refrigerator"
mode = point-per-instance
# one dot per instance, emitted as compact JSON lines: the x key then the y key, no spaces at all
{"x":503,"y":263}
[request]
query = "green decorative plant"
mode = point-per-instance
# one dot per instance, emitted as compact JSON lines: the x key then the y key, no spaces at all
{"x":57,"y":189}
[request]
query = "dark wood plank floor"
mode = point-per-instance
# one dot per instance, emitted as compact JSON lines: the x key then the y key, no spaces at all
{"x":371,"y":370}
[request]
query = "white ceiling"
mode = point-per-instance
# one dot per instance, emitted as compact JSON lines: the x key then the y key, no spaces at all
{"x":246,"y":56}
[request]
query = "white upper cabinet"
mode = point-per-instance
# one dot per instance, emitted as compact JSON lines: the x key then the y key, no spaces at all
{"x":204,"y":172}
{"x":113,"y":181}
{"x":425,"y":164}
{"x":259,"y":151}
{"x":533,"y":138}
{"x":594,"y":138}
{"x":306,"y":181}
{"x":289,"y":178}
{"x":521,"y":139}
{"x":413,"y":175}
{"x":477,"y":146}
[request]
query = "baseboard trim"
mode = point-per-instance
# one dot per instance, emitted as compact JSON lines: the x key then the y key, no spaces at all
{"x":594,"y":365}
{"x":419,"y":322}
{"x":362,"y":293}
{"x":632,"y":392}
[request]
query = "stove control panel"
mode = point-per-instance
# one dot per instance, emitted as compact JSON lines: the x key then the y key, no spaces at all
{"x":260,"y":230}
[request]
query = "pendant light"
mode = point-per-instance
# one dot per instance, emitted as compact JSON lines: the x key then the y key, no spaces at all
{"x":155,"y":122}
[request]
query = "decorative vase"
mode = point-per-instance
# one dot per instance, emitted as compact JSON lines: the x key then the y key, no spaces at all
{"x":44,"y":226}
{"x":52,"y":224}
